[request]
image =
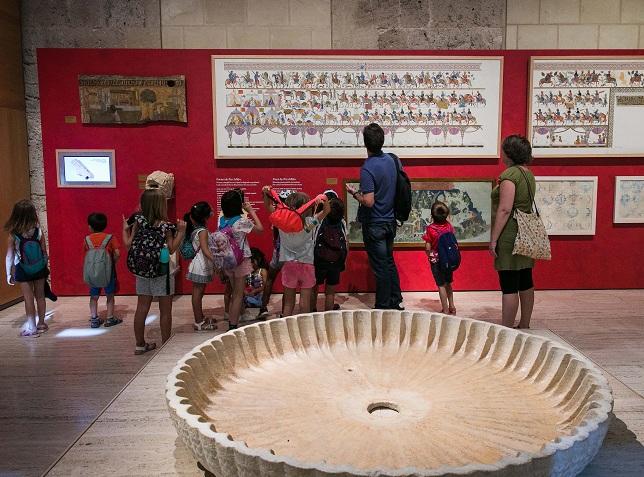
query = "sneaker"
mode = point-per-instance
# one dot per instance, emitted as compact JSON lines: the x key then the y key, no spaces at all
{"x":95,"y":322}
{"x":263,"y":313}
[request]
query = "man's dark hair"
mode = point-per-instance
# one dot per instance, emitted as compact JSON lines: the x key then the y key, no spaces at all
{"x":518,"y":149}
{"x":374,"y":138}
{"x":97,"y":221}
{"x":439,"y":212}
{"x":231,"y":203}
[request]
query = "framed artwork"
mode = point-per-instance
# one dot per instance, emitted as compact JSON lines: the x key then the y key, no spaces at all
{"x":132,"y":99}
{"x":586,"y":106}
{"x":316,"y":107}
{"x":469,"y":201}
{"x":86,"y":168}
{"x":629,"y":200}
{"x":568,"y":205}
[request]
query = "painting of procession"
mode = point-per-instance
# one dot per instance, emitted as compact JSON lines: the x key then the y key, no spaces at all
{"x":316,"y":107}
{"x":468,"y":200}
{"x":132,"y":99}
{"x":589,"y":106}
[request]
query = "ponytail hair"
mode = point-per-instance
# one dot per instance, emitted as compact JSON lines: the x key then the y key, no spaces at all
{"x":198,"y":214}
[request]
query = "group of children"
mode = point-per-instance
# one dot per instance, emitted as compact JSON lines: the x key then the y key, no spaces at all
{"x":309,"y":249}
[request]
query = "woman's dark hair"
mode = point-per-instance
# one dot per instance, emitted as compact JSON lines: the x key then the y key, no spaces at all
{"x":97,"y":221}
{"x":231,"y":202}
{"x":257,"y":255}
{"x":337,"y":211}
{"x":517,"y":149}
{"x":440,"y":212}
{"x":23,"y":217}
{"x":199,"y":213}
{"x":374,"y":138}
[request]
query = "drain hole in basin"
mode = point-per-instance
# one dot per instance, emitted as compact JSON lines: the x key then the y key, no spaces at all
{"x":382,"y":409}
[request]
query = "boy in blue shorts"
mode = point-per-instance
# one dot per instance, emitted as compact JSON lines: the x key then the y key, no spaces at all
{"x":96,"y":241}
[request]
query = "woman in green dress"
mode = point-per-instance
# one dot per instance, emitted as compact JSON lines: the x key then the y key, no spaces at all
{"x":515,"y":271}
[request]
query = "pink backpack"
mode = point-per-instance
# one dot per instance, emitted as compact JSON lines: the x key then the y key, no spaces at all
{"x":227,"y":254}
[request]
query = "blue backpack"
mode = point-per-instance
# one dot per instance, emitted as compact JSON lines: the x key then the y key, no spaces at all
{"x":449,"y":257}
{"x":32,"y":258}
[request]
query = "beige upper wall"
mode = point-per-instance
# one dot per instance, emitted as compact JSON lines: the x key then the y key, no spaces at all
{"x":567,"y":24}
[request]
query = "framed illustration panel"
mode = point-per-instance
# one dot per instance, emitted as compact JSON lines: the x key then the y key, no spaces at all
{"x":469,"y":201}
{"x":316,"y":107}
{"x":629,"y":200}
{"x":132,"y":99}
{"x":86,"y":168}
{"x":589,"y":106}
{"x":568,"y":205}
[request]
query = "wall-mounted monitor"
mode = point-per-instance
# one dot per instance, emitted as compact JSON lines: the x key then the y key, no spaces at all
{"x":85,"y":168}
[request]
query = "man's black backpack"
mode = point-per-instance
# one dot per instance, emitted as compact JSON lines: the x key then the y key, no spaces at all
{"x":402,"y":201}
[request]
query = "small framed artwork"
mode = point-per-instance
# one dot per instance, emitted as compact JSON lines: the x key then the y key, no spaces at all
{"x":629,"y":200}
{"x":567,"y":205}
{"x":86,"y":168}
{"x":469,"y":201}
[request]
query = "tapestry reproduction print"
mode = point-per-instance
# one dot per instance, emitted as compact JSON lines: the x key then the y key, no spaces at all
{"x":132,"y":99}
{"x":589,"y":106}
{"x":468,"y":200}
{"x":629,"y":200}
{"x":568,"y":205}
{"x":317,"y":107}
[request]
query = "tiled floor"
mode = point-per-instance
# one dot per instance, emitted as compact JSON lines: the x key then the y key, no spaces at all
{"x":53,"y":387}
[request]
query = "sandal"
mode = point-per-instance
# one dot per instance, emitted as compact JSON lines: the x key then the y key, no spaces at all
{"x":452,"y":311}
{"x":111,"y":321}
{"x":42,"y":327}
{"x":95,"y":322}
{"x":145,"y":348}
{"x":30,"y":333}
{"x":205,"y":325}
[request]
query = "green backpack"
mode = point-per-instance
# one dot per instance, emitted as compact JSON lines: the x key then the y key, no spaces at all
{"x":97,"y":268}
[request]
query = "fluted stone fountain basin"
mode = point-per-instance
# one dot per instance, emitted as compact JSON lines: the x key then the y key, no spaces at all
{"x":387,"y":393}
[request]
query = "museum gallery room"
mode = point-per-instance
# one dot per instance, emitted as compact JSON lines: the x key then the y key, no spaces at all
{"x":266,"y":238}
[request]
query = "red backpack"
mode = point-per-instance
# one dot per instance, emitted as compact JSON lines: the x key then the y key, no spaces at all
{"x":287,"y":219}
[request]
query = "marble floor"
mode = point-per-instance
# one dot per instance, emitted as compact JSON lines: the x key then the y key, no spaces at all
{"x":77,"y":402}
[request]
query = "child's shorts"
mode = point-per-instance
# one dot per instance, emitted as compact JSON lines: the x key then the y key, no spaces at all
{"x":157,"y":286}
{"x":111,"y":288}
{"x":241,"y":270}
{"x":328,"y":274}
{"x":441,"y":276}
{"x":298,"y":275}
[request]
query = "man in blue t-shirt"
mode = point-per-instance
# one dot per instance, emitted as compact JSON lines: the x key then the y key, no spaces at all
{"x":376,"y":196}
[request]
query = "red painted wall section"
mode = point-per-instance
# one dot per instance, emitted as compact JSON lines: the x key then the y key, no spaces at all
{"x":187,"y":151}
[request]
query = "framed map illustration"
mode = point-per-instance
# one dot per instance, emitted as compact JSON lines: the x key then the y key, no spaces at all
{"x":132,"y":99}
{"x":297,"y":107}
{"x":85,"y":168}
{"x":468,"y":200}
{"x":586,"y":106}
{"x":629,"y":200}
{"x":568,"y":205}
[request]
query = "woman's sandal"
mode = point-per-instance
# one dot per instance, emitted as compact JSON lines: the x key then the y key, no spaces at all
{"x":144,"y":349}
{"x":205,"y":325}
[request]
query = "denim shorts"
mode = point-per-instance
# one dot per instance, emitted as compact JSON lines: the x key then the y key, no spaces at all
{"x":111,"y":288}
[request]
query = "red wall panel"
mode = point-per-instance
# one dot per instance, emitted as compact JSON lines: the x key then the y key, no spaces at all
{"x":187,"y":150}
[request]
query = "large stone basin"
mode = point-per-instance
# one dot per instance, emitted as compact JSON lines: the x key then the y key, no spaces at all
{"x":387,"y":393}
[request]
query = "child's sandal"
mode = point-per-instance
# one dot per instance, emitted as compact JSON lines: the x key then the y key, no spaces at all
{"x":145,"y":348}
{"x":42,"y":327}
{"x":452,"y":311}
{"x":205,"y":325}
{"x":111,"y":321}
{"x":30,"y":333}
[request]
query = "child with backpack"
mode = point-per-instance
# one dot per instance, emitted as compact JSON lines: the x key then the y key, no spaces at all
{"x":150,"y":240}
{"x":296,"y":247}
{"x":330,"y":253}
{"x":26,"y":264}
{"x":99,"y":268}
{"x":231,"y":250}
{"x":444,"y":258}
{"x":201,"y":269}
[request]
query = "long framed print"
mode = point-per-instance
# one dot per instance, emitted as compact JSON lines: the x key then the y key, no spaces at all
{"x":629,"y":200}
{"x":568,"y":205}
{"x":316,"y":107}
{"x":586,"y":106}
{"x":86,"y":168}
{"x":469,"y":201}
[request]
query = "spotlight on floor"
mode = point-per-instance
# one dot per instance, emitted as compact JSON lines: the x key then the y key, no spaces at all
{"x":81,"y":332}
{"x":151,"y":319}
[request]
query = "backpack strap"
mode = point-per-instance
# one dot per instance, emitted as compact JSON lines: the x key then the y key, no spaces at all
{"x":275,"y":197}
{"x":311,"y":202}
{"x":106,"y":240}
{"x":89,"y":243}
